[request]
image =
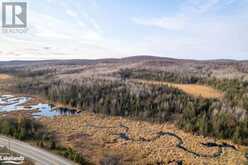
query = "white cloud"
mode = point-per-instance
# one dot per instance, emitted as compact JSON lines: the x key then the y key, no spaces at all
{"x":171,"y":23}
{"x":71,"y":13}
{"x":211,"y":38}
{"x":199,"y":6}
{"x":193,"y":30}
{"x":189,"y":9}
{"x":64,"y":39}
{"x":199,"y":32}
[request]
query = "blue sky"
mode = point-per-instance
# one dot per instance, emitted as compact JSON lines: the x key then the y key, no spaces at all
{"x":72,"y":29}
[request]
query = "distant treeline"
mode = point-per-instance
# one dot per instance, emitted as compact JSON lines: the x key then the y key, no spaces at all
{"x":147,"y":102}
{"x":24,"y":72}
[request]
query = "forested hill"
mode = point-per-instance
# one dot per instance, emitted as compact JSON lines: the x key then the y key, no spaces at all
{"x":215,"y":68}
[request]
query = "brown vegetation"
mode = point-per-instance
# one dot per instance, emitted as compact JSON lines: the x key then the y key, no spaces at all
{"x":97,"y":143}
{"x":5,"y":77}
{"x":191,"y":89}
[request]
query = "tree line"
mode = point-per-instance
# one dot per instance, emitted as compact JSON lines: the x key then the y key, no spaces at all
{"x":236,"y":91}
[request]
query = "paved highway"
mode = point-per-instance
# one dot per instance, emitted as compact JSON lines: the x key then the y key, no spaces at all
{"x":39,"y":156}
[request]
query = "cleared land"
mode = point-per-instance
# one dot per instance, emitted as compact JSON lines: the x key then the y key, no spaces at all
{"x":97,"y":136}
{"x":191,"y":89}
{"x":5,"y":77}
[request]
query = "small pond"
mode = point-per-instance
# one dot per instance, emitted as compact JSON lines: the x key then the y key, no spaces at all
{"x":9,"y":103}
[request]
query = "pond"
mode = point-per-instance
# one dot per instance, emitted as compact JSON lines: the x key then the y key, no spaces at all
{"x":49,"y":111}
{"x":9,"y":103}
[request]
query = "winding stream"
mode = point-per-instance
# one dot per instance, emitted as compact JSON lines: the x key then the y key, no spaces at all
{"x":179,"y":144}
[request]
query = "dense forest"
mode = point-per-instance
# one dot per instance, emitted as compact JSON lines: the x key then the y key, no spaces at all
{"x":236,"y":91}
{"x":146,"y":102}
{"x":159,"y":76}
{"x":21,"y":128}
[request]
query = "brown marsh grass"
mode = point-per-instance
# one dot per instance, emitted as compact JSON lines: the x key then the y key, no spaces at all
{"x":97,"y":143}
{"x":191,"y":89}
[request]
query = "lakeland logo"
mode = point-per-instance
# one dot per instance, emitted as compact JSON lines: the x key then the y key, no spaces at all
{"x":11,"y":159}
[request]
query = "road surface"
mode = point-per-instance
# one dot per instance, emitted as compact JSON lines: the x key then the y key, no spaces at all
{"x":39,"y":156}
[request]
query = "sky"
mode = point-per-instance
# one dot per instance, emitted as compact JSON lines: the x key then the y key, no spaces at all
{"x":92,"y":29}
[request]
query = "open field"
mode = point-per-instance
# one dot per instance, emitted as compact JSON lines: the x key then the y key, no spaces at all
{"x":4,"y":77}
{"x":191,"y":89}
{"x":97,"y":136}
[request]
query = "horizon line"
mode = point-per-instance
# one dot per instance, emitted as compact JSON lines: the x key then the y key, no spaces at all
{"x":126,"y":57}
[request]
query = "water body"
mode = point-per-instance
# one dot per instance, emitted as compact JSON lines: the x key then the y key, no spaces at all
{"x":9,"y":103}
{"x":49,"y":111}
